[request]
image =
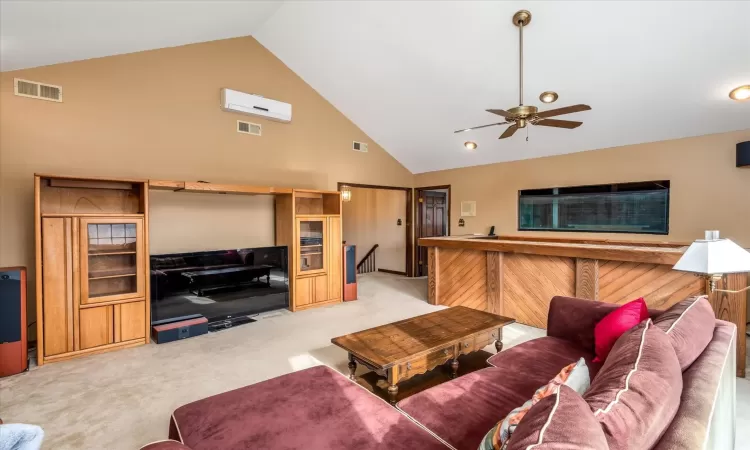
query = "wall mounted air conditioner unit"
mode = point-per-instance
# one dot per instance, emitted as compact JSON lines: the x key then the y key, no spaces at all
{"x":236,"y":101}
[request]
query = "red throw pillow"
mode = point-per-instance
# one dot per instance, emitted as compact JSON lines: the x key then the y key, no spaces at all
{"x":615,"y":324}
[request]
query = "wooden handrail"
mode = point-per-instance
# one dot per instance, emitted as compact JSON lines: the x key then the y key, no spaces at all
{"x":367,"y":264}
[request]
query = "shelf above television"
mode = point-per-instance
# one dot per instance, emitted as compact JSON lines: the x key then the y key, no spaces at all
{"x":215,"y":188}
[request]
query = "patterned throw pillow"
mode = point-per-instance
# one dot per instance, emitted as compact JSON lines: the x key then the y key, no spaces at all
{"x":575,"y":376}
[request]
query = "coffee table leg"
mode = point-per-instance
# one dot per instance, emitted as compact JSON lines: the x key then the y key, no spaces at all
{"x":454,"y":368}
{"x":352,"y":367}
{"x":499,"y":341}
{"x":392,"y":393}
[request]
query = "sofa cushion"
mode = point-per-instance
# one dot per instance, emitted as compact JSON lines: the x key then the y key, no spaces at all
{"x":315,"y":408}
{"x":462,"y":410}
{"x":615,"y":324}
{"x":690,"y":327}
{"x":575,"y":375}
{"x":560,"y":421}
{"x":637,"y":392}
{"x":546,"y":355}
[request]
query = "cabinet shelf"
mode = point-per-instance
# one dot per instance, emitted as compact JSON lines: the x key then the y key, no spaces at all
{"x":313,"y":245}
{"x":106,"y":277}
{"x":112,"y":253}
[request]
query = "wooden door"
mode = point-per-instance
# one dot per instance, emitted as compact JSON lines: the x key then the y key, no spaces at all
{"x":312,"y":250}
{"x":130,"y":321}
{"x":433,"y":221}
{"x":321,"y":289}
{"x":112,"y":260}
{"x":60,"y":284}
{"x":335,"y":271}
{"x":96,"y":326}
{"x":304,"y":293}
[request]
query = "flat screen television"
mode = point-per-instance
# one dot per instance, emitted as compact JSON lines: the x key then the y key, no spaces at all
{"x":219,"y":284}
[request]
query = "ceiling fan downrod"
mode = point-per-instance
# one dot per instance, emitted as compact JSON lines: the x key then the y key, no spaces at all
{"x":521,"y":19}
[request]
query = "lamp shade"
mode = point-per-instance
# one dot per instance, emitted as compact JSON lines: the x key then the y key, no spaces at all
{"x":715,"y":256}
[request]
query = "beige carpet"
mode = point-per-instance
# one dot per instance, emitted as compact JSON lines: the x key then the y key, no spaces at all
{"x":123,"y":400}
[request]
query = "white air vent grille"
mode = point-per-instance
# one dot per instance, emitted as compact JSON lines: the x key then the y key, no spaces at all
{"x":249,"y":128}
{"x":359,"y":147}
{"x":41,"y":91}
{"x":468,"y":209}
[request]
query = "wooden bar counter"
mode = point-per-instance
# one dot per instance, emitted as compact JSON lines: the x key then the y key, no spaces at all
{"x":518,"y":276}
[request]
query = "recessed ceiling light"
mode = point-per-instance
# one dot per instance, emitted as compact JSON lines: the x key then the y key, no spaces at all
{"x":740,"y":93}
{"x":548,"y":97}
{"x":470,"y":145}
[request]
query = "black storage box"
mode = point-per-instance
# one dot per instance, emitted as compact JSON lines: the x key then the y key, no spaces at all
{"x":180,"y":328}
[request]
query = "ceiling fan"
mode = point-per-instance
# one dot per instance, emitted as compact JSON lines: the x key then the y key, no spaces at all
{"x":522,"y":115}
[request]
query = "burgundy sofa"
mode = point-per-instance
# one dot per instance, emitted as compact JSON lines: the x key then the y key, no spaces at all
{"x":319,"y":408}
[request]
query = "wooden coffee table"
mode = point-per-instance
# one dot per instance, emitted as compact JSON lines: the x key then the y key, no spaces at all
{"x":413,"y":346}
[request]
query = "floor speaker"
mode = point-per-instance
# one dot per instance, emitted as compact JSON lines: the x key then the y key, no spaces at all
{"x":13,"y":345}
{"x":350,"y":272}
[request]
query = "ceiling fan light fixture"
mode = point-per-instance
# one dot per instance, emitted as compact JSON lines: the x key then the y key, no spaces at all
{"x":548,"y":96}
{"x":741,"y":93}
{"x":470,"y":145}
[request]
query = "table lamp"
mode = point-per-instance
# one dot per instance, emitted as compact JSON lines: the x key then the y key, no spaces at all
{"x":713,"y":257}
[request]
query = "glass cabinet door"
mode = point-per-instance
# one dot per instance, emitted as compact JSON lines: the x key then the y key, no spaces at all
{"x":312,"y":251}
{"x":112,"y":264}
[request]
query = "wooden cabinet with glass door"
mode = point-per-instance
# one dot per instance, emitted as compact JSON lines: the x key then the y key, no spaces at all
{"x":309,"y":222}
{"x":311,"y":250}
{"x":112,"y":257}
{"x":92,"y":265}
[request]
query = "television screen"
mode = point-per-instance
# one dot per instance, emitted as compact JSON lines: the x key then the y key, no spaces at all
{"x":220,"y":284}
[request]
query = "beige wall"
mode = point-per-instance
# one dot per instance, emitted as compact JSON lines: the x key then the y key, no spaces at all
{"x":183,"y":222}
{"x":156,"y":114}
{"x":371,"y":218}
{"x":707,"y":190}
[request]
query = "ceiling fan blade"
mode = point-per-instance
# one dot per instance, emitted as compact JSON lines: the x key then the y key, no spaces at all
{"x":499,"y":112}
{"x":569,"y":124}
{"x":482,"y":126}
{"x":561,"y":111}
{"x":509,"y":132}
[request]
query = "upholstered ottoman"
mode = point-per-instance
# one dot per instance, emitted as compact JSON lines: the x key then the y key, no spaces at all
{"x":316,"y":408}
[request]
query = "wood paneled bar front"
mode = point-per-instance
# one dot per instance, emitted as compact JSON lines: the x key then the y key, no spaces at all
{"x":518,"y":276}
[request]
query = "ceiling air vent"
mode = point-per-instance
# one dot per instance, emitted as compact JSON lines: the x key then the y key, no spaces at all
{"x":248,"y":128}
{"x":359,"y":147}
{"x":41,"y":91}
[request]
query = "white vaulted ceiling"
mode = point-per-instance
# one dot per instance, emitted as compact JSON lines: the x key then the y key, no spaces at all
{"x":409,"y":73}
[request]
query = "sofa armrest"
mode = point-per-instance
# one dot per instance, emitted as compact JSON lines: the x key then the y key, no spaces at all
{"x":574,"y":319}
{"x":167,"y":444}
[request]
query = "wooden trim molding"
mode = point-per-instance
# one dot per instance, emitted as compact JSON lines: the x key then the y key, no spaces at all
{"x":394,"y":272}
{"x":587,"y":278}
{"x":407,"y":217}
{"x":433,"y":272}
{"x":495,"y":282}
{"x":732,"y":307}
{"x":653,"y":255}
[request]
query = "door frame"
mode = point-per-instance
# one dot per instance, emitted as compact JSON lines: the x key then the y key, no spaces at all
{"x":407,"y":216}
{"x":418,"y":218}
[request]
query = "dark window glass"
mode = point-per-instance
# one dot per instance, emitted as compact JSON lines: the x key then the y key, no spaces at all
{"x":641,"y":207}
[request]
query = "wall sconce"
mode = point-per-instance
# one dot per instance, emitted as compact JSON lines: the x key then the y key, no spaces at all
{"x":346,"y":193}
{"x":713,"y":257}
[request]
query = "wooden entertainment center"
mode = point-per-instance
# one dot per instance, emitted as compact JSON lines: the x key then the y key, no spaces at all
{"x":92,"y":257}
